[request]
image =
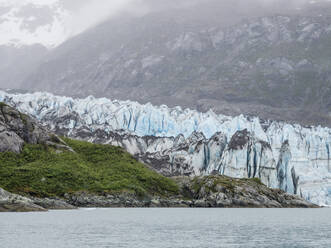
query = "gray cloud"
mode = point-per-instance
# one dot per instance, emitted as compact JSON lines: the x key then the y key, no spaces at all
{"x":87,"y":13}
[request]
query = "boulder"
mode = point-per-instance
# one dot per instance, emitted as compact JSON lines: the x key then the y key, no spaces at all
{"x":15,"y":203}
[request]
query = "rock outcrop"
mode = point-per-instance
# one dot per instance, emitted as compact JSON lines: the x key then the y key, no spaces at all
{"x":220,"y":191}
{"x":52,"y":203}
{"x":17,"y":128}
{"x":15,"y":203}
{"x":201,"y":192}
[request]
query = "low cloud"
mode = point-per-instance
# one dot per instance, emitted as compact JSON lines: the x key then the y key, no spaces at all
{"x":89,"y":13}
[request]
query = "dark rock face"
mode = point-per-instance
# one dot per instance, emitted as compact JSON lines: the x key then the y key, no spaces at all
{"x":239,"y":140}
{"x":17,"y":129}
{"x":273,"y":66}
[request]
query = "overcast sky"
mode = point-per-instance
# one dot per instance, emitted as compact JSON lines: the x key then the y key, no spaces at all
{"x":84,"y":14}
{"x":87,"y":13}
{"x":90,"y":12}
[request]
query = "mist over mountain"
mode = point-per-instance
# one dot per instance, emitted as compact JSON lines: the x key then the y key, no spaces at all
{"x":31,"y":28}
{"x":266,"y":58}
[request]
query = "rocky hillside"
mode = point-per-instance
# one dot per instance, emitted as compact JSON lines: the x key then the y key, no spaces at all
{"x":185,"y":142}
{"x":273,"y":64}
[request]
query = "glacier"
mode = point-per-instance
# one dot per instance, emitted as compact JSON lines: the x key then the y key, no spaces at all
{"x":178,"y":141}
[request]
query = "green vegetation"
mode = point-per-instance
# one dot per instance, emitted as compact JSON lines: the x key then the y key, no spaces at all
{"x":44,"y":172}
{"x":2,"y":104}
{"x":256,"y":180}
{"x":211,"y":183}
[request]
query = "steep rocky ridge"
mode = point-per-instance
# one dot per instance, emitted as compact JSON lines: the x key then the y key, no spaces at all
{"x":186,"y":142}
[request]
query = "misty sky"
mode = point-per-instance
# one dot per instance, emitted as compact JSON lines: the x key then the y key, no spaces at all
{"x":90,"y":12}
{"x":80,"y":15}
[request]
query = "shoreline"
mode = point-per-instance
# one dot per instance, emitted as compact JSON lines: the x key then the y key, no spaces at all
{"x":200,"y":192}
{"x":25,"y":204}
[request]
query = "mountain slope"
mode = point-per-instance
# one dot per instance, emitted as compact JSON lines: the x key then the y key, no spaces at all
{"x":270,"y":64}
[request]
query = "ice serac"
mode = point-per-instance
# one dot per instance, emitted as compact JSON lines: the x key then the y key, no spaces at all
{"x":176,"y":141}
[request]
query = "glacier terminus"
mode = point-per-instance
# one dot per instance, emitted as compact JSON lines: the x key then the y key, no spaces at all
{"x":176,"y":141}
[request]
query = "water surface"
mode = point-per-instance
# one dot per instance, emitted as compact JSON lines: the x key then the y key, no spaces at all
{"x":167,"y":228}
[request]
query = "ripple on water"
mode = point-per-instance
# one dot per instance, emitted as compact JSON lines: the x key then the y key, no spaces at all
{"x":165,"y":228}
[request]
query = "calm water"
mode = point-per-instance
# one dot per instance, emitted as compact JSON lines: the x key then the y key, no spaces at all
{"x":167,"y":228}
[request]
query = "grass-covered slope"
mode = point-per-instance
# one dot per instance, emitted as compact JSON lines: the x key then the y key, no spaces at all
{"x":43,"y":171}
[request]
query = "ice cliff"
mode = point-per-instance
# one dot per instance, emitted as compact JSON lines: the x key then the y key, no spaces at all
{"x":178,"y":141}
